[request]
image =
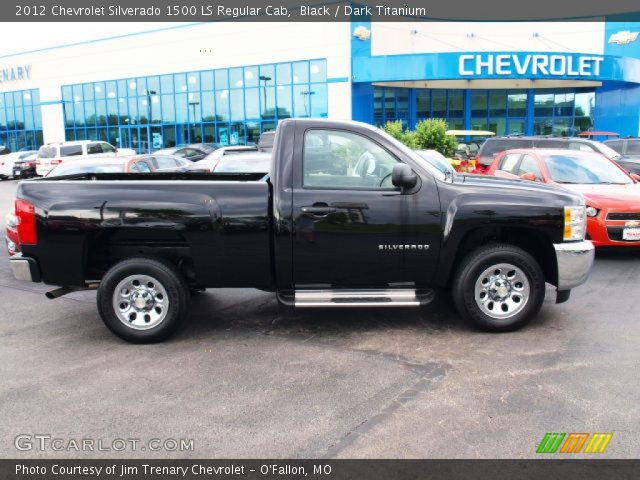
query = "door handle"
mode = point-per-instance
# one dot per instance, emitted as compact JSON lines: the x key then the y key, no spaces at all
{"x":319,"y":211}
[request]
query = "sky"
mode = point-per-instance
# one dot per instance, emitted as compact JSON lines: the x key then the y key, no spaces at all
{"x":33,"y":36}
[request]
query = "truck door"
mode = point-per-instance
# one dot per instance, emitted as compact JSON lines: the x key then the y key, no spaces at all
{"x":348,"y":217}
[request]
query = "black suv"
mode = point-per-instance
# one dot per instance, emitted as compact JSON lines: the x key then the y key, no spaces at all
{"x":492,"y":146}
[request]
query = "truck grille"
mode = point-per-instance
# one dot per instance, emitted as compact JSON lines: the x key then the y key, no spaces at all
{"x":624,"y":216}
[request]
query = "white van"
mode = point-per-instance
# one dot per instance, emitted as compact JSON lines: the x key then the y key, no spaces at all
{"x":54,"y":154}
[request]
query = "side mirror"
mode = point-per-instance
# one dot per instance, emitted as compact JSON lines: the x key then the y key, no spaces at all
{"x":402,"y":176}
{"x":635,"y":177}
{"x":529,"y":176}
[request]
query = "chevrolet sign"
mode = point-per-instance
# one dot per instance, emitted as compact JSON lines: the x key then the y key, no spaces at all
{"x":529,"y":65}
{"x":624,"y":37}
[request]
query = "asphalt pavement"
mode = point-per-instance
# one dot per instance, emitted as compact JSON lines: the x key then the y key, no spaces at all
{"x":246,"y":379}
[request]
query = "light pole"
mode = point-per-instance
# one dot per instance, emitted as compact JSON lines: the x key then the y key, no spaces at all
{"x":149,"y":113}
{"x":265,"y":79}
{"x":194,"y":105}
{"x":307,"y":93}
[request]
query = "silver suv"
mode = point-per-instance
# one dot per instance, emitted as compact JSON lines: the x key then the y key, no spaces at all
{"x":54,"y":154}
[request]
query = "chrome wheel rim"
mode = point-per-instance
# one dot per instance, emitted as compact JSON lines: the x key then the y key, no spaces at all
{"x":140,"y":302}
{"x":502,"y":291}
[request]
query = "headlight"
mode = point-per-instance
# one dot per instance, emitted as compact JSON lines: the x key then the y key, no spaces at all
{"x":575,"y":222}
{"x":592,"y":212}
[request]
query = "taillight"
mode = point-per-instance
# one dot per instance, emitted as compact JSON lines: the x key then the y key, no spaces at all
{"x":26,"y":222}
{"x":28,"y":164}
{"x":57,"y":161}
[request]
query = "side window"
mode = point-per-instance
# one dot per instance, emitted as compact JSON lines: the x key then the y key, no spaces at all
{"x":550,"y":143}
{"x":509,"y":162}
{"x":342,"y":160}
{"x":70,"y":150}
{"x":530,"y":165}
{"x":583,"y":147}
{"x":164,"y":162}
{"x":633,"y":147}
{"x":93,"y":148}
{"x":47,"y":152}
{"x":140,"y":167}
{"x":186,"y":153}
{"x":107,"y":148}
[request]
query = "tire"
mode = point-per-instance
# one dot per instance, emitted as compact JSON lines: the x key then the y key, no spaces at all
{"x":143,"y":300}
{"x":499,"y":288}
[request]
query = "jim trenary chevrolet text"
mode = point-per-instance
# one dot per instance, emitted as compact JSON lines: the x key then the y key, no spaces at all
{"x":347,"y":217}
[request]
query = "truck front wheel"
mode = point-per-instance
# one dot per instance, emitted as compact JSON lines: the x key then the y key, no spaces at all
{"x":143,"y":300}
{"x":499,"y":287}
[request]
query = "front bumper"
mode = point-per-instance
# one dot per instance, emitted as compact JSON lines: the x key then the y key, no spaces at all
{"x":574,"y":263}
{"x":24,"y":268}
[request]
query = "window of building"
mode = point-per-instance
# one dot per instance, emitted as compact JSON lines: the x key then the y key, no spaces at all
{"x":225,"y":105}
{"x":20,"y":120}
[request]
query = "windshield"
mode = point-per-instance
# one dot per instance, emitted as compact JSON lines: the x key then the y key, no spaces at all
{"x":75,"y":169}
{"x":436,"y":159}
{"x":588,"y":169}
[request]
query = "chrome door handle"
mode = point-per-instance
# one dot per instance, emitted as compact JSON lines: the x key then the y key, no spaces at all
{"x":319,"y":211}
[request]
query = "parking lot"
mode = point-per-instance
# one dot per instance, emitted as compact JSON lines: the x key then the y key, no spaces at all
{"x":247,"y":379}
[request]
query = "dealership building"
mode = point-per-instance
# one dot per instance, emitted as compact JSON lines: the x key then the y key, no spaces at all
{"x":229,"y":81}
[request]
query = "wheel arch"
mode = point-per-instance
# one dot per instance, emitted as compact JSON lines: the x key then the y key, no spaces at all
{"x":534,"y":242}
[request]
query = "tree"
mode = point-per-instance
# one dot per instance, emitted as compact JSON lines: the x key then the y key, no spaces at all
{"x":429,"y":134}
{"x":394,"y":129}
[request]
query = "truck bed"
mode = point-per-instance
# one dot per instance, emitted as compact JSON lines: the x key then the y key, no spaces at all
{"x":195,"y":176}
{"x":216,"y":225}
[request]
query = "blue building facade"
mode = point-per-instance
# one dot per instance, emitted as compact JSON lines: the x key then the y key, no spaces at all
{"x":563,"y":93}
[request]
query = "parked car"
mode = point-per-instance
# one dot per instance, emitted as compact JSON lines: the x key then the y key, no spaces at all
{"x":629,"y":150}
{"x":612,"y":195}
{"x":208,"y":164}
{"x":54,"y":154}
{"x":26,"y":167}
{"x":103,"y":165}
{"x":265,"y":142}
{"x":313,"y":232}
{"x":8,"y":161}
{"x":438,"y":160}
{"x":253,"y":162}
{"x":467,"y":151}
{"x":165,"y":163}
{"x":193,"y":152}
{"x":493,"y":146}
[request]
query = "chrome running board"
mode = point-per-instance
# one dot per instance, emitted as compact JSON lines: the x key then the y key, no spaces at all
{"x":362,"y":298}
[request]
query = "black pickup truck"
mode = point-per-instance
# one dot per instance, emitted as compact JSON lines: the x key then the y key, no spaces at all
{"x":347,"y":217}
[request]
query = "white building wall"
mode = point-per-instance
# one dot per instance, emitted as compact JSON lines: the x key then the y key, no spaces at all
{"x":392,"y":38}
{"x":182,"y":49}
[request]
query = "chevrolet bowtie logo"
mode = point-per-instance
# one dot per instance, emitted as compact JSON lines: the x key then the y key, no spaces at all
{"x":624,"y":37}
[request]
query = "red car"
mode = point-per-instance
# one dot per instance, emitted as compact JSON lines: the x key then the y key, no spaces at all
{"x":612,"y":195}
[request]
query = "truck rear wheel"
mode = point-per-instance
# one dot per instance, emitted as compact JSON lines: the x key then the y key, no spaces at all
{"x":143,"y":300}
{"x":499,"y":288}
